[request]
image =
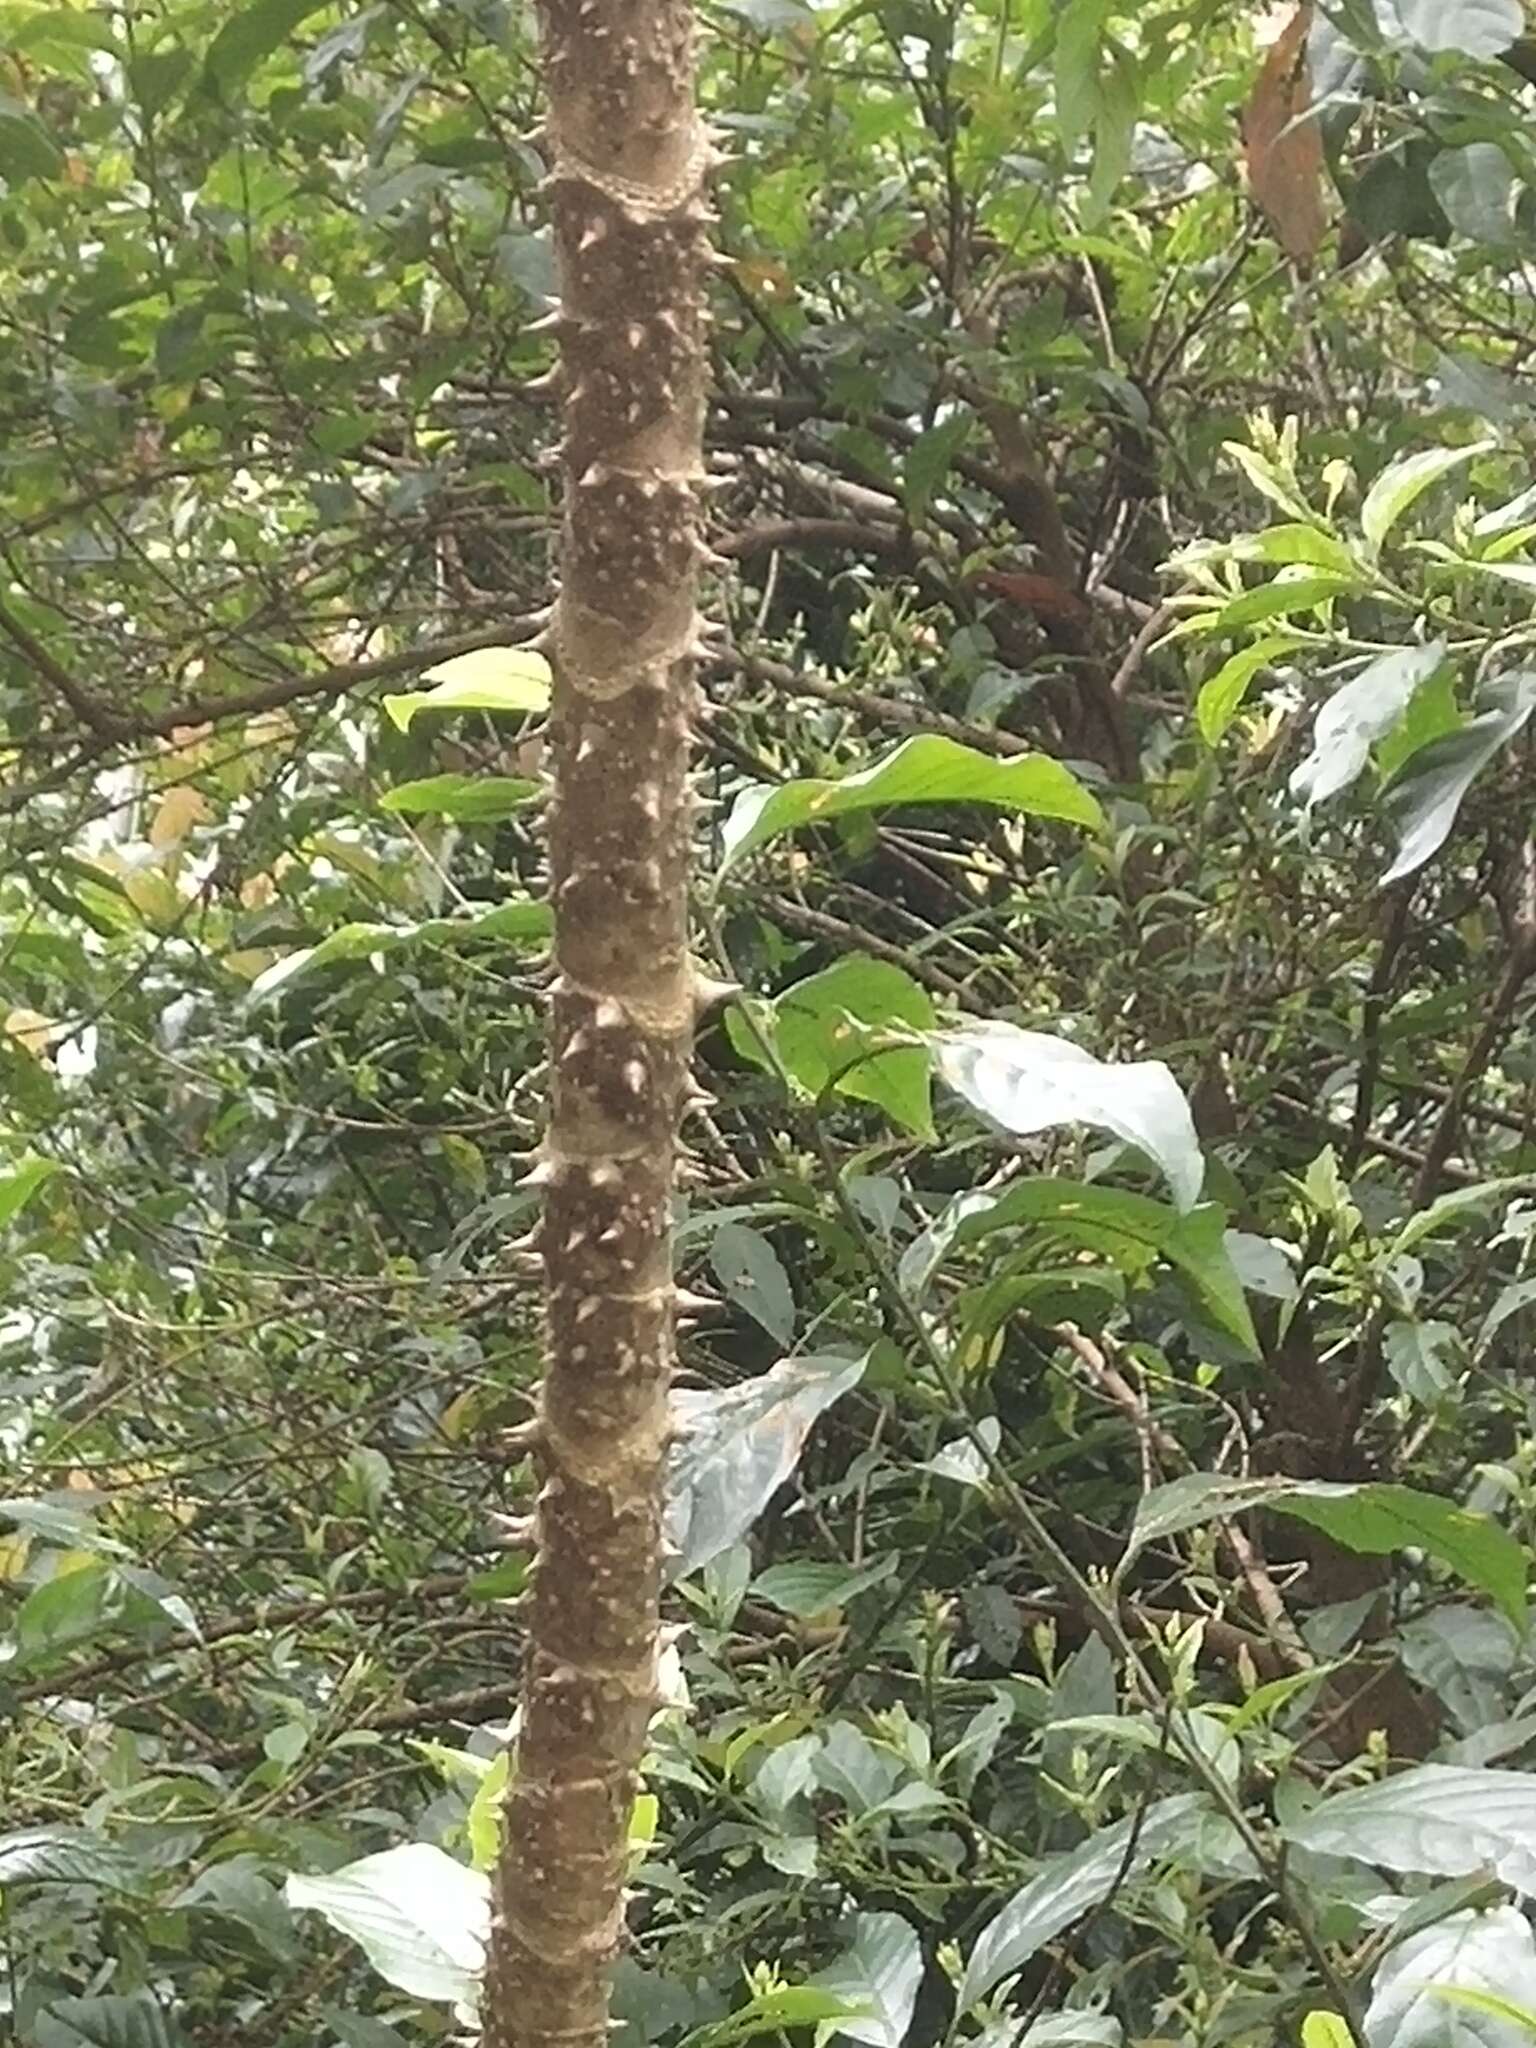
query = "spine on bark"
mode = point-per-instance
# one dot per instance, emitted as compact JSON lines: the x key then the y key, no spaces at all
{"x":628,"y":160}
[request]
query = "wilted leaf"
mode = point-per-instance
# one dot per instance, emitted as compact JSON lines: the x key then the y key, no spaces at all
{"x":1028,"y":1081}
{"x":736,"y":1449}
{"x":1065,"y":1887}
{"x":930,"y":769}
{"x":486,"y":679}
{"x":1285,"y":145}
{"x":420,"y":1917}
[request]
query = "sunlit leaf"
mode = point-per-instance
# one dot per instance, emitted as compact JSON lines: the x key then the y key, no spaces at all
{"x":511,"y":679}
{"x":1404,"y":482}
{"x":879,"y":1974}
{"x":512,"y":923}
{"x":420,"y":1917}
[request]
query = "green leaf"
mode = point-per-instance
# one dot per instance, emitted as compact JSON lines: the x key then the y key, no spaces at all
{"x":1068,"y":1886}
{"x":748,"y":1268}
{"x":471,"y":799}
{"x":66,"y":1855}
{"x":1422,"y":804}
{"x":1404,"y":482}
{"x":515,"y":923}
{"x":1222,"y":694}
{"x":1279,"y":599}
{"x":1478,"y":28}
{"x":1476,"y":187}
{"x":27,"y":150}
{"x":1465,"y":1982}
{"x":930,"y":769}
{"x":1371,"y":1517}
{"x":928,"y":462}
{"x":22,"y":1182}
{"x":486,"y":679}
{"x":1517,"y":2019}
{"x":1358,"y":715}
{"x":419,"y":1917}
{"x":879,"y":1976}
{"x":133,"y":2019}
{"x":823,"y":1024}
{"x":1452,"y":1820}
{"x":1029,"y":1081}
{"x":806,"y":1588}
{"x":1134,"y":1231}
{"x":1079,"y":36}
{"x":249,"y":37}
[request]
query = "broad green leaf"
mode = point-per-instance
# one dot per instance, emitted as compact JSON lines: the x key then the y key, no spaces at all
{"x":930,"y":769}
{"x":108,"y":2019}
{"x":1068,"y":1886}
{"x":1450,"y":1820}
{"x":486,"y":679}
{"x":512,"y":923}
{"x":1478,"y":28}
{"x":737,"y":1447}
{"x":1404,"y":482}
{"x":22,"y":1182}
{"x":1459,"y":1984}
{"x":1134,"y":1231}
{"x":1079,"y":38}
{"x":826,"y":1029}
{"x":237,"y":1891}
{"x":1285,"y":595}
{"x":879,"y":1975}
{"x":71,"y":1607}
{"x":472,"y":799}
{"x":805,"y":1587}
{"x":1358,"y":715}
{"x":1222,"y":694}
{"x":27,"y":150}
{"x":1476,"y":186}
{"x":1028,"y":1081}
{"x":1372,"y":1517}
{"x":247,"y":38}
{"x":1423,"y":802}
{"x":420,"y":1917}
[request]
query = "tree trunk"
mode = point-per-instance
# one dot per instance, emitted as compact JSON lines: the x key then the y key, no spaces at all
{"x":628,"y":159}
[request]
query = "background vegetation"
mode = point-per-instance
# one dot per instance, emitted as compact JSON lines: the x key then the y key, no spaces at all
{"x":1103,"y":1512}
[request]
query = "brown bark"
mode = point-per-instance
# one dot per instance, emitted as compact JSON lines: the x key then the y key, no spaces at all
{"x":628,"y":160}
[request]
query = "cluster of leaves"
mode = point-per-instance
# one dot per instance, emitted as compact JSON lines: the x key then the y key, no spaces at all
{"x":1106,"y":1432}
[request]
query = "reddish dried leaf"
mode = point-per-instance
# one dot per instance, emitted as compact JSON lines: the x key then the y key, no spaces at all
{"x":1284,"y":147}
{"x":1030,"y":592}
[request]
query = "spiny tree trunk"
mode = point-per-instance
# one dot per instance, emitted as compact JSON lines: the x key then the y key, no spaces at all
{"x":628,"y":159}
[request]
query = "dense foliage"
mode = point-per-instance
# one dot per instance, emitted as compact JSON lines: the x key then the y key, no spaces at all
{"x":1104,"y":1486}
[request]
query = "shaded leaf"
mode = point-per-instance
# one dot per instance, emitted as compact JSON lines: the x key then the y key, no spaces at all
{"x":1371,"y":1517}
{"x":930,"y":769}
{"x":1028,"y":1081}
{"x":249,"y":37}
{"x":109,"y":2020}
{"x":520,"y":923}
{"x":27,"y":150}
{"x":1065,"y":1887}
{"x":803,"y":1587}
{"x":1423,"y":802}
{"x":736,"y":1449}
{"x":748,"y":1268}
{"x":22,"y":1182}
{"x":1358,"y":715}
{"x":419,"y":1917}
{"x":1476,"y":187}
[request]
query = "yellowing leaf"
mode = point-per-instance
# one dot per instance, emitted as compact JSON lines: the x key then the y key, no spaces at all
{"x":178,"y":811}
{"x":486,"y":679}
{"x":31,"y":1030}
